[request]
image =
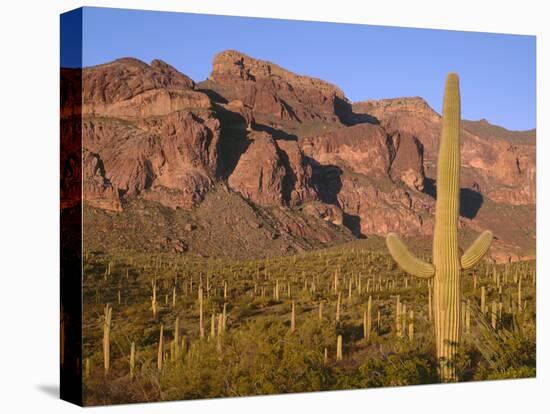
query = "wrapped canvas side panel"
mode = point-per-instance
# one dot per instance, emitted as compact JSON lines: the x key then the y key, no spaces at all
{"x":71,"y":207}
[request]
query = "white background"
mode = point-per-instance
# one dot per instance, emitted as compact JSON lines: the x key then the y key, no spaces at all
{"x":29,"y":236}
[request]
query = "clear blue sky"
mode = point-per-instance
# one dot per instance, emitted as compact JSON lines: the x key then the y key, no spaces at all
{"x":367,"y":62}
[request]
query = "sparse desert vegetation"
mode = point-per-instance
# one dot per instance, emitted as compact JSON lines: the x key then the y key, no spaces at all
{"x":146,"y":311}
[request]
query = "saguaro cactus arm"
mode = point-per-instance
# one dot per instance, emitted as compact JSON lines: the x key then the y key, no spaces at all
{"x":477,"y":250}
{"x":406,"y":260}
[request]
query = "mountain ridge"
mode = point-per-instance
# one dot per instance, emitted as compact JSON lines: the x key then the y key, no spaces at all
{"x":289,"y":143}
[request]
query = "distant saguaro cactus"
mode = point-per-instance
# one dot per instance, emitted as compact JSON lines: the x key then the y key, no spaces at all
{"x":430,"y":307}
{"x":224,"y":316}
{"x":447,"y":264}
{"x":468,"y":316}
{"x":160,"y":353}
{"x":411,"y":325}
{"x":398,"y":312}
{"x":276,"y":291}
{"x":338,"y":307}
{"x":339,"y":354}
{"x":482,"y":300}
{"x":293,"y":318}
{"x":519,"y":295}
{"x":154,"y":298}
{"x":177,"y":330}
{"x":132,"y":360}
{"x":87,"y":368}
{"x":213,"y":325}
{"x":367,"y":320}
{"x":107,"y":337}
{"x":219,"y":332}
{"x":494,"y":314}
{"x":201,"y":320}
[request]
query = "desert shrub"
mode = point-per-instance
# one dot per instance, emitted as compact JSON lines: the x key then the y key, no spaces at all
{"x":261,"y":358}
{"x":408,"y":367}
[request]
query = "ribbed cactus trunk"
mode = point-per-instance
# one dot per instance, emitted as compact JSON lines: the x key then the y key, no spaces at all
{"x":445,"y":248}
{"x":447,"y":264}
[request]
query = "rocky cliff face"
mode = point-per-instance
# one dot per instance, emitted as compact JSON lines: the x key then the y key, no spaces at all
{"x":294,"y":149}
{"x":273,"y":173}
{"x":497,"y":162}
{"x":372,"y":176}
{"x":260,"y":173}
{"x":154,"y":135}
{"x":276,"y":93}
{"x":501,"y":169}
{"x":369,"y":150}
{"x":98,"y":190}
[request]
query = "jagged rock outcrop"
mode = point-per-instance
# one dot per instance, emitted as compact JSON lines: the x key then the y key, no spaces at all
{"x":97,"y":190}
{"x":503,"y":169}
{"x":260,"y":174}
{"x":497,"y":162}
{"x":407,"y":162}
{"x":273,"y":173}
{"x":363,"y":148}
{"x":298,"y":186}
{"x":130,"y":89}
{"x":368,"y":149}
{"x":126,"y":78}
{"x":276,"y":92}
{"x":406,"y":115}
{"x":245,"y":111}
{"x":173,"y":161}
{"x":359,"y":170}
{"x":373,"y":211}
{"x":155,"y":135}
{"x":128,"y":153}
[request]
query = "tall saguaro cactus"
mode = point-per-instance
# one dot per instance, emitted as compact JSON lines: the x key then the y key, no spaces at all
{"x":447,"y":264}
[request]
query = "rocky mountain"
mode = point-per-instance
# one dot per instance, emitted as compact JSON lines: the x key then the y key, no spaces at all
{"x":273,"y":162}
{"x":496,"y":162}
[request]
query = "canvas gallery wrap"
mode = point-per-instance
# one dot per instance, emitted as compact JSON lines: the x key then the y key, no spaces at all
{"x":260,"y":206}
